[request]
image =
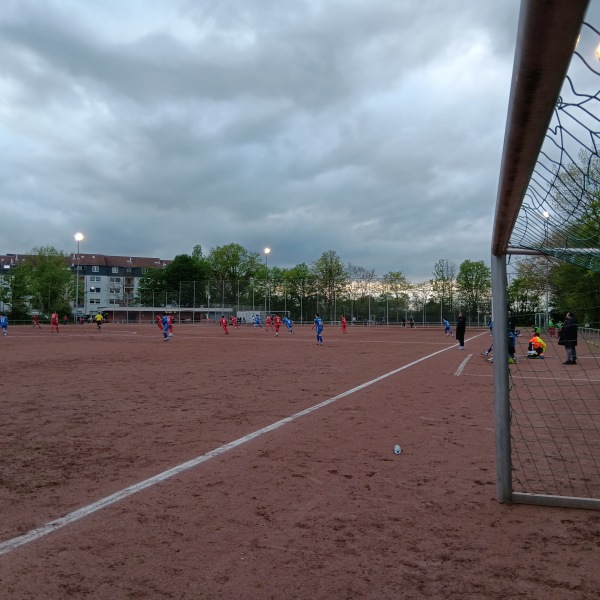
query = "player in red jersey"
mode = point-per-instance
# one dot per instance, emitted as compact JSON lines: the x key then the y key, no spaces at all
{"x":170,"y":320}
{"x":158,"y":320}
{"x":54,"y":322}
{"x":277,"y":321}
{"x":234,"y":322}
{"x":223,"y":323}
{"x":36,"y":321}
{"x":267,"y":322}
{"x":344,"y":324}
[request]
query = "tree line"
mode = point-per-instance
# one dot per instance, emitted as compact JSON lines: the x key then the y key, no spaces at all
{"x":234,"y":276}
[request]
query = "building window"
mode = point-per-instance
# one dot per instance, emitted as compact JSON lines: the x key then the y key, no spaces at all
{"x":95,"y":269}
{"x":112,"y":301}
{"x":95,"y":290}
{"x":94,"y":300}
{"x":115,"y":269}
{"x":115,"y":279}
{"x":94,"y":278}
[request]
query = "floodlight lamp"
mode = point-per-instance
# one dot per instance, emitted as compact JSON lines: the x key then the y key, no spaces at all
{"x":267,"y":250}
{"x":598,"y":51}
{"x":78,"y":237}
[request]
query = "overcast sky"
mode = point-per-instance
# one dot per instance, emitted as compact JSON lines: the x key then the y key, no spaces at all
{"x":370,"y":127}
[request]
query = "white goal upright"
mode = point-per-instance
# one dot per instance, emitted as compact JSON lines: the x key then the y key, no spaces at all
{"x":547,"y":415}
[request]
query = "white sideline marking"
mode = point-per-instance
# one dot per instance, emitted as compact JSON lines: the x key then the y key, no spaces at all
{"x":462,"y":366}
{"x":74,"y":516}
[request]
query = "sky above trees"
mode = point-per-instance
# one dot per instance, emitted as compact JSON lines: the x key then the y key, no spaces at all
{"x":373,"y":128}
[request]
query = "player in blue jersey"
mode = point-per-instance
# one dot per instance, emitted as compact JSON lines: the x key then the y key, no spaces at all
{"x":165,"y":328}
{"x":256,"y":321}
{"x":318,"y":325}
{"x":447,"y":329}
{"x":4,"y":323}
{"x":289,"y":324}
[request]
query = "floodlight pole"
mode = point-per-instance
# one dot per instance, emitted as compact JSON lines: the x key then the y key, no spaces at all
{"x":78,"y":238}
{"x":267,"y":251}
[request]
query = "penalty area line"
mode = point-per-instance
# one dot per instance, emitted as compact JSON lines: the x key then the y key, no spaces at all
{"x":86,"y":511}
{"x":462,"y":366}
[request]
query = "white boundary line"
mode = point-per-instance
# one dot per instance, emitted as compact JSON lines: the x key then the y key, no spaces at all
{"x":85,"y":511}
{"x":462,"y":366}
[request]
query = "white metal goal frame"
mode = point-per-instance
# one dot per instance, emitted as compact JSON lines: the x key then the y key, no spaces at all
{"x":547,"y":37}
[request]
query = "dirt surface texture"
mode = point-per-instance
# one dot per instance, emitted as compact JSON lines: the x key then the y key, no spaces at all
{"x":253,"y":466}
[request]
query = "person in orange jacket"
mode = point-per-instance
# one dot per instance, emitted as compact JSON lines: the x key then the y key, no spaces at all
{"x":537,"y":346}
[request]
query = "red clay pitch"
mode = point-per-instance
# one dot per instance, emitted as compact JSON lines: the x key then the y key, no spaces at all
{"x":317,"y":507}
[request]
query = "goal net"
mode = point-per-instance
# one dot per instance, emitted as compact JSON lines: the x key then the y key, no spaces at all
{"x":546,"y":263}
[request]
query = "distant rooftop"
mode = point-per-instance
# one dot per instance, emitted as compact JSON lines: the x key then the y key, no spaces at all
{"x":8,"y":261}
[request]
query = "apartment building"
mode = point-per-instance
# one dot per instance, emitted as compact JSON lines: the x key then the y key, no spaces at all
{"x":109,"y":283}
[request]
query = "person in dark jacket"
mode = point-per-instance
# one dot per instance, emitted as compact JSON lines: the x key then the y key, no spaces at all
{"x":512,"y":323}
{"x":567,"y":337}
{"x":461,"y":325}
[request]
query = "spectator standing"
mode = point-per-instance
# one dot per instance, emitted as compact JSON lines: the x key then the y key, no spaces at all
{"x":461,"y":326}
{"x":512,"y":323}
{"x":567,"y":337}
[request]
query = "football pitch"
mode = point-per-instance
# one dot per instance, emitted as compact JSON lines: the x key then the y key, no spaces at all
{"x":253,"y":466}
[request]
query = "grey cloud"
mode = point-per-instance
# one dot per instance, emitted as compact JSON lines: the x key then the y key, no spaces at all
{"x":307,"y":126}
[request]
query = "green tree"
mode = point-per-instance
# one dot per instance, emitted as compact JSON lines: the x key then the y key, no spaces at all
{"x":48,"y":280}
{"x":576,"y":202}
{"x":443,"y":283}
{"x":331,"y":280}
{"x":398,"y":287}
{"x":301,"y":290}
{"x":180,"y":277}
{"x":197,"y":252}
{"x":474,"y":282}
{"x":576,"y":289}
{"x":233,"y":262}
{"x":15,"y":294}
{"x":421,"y":297}
{"x":152,"y":288}
{"x":232,"y":267}
{"x":362,"y":289}
{"x":574,"y":285}
{"x":527,"y":289}
{"x":177,"y":283}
